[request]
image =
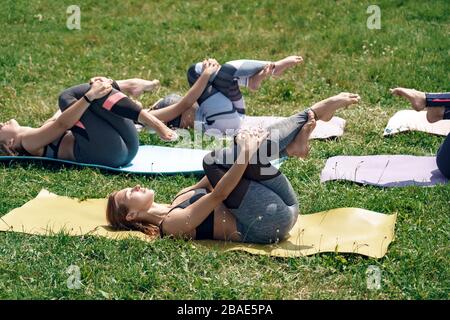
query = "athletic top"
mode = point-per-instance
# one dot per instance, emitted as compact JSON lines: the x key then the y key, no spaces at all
{"x":50,"y":150}
{"x":206,"y":229}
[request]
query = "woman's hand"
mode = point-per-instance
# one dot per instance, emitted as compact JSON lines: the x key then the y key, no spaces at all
{"x":210,"y":66}
{"x":101,"y":79}
{"x":249,"y":140}
{"x":98,"y":90}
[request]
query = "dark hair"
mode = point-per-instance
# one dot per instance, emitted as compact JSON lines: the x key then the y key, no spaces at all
{"x":7,"y":151}
{"x":168,"y":101}
{"x":116,"y":215}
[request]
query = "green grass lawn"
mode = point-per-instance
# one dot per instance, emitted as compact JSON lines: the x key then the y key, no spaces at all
{"x":39,"y":57}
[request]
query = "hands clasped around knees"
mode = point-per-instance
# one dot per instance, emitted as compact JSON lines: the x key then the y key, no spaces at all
{"x":249,"y":140}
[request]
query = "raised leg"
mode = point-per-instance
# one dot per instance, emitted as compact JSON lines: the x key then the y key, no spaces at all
{"x":437,"y":104}
{"x":135,"y":87}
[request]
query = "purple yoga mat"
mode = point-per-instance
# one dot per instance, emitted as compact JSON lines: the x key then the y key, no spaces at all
{"x":384,"y":170}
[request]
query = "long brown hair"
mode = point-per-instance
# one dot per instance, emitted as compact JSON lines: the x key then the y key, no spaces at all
{"x":116,"y":217}
{"x":7,"y":151}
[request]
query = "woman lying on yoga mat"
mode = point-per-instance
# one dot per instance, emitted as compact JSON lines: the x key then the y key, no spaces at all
{"x":221,"y":105}
{"x":95,"y":124}
{"x":438,"y":108}
{"x":242,"y":197}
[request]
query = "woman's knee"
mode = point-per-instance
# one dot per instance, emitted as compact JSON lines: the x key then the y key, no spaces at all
{"x":192,"y":75}
{"x":211,"y":169}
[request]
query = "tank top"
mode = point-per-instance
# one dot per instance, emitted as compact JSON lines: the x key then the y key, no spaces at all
{"x":206,"y":229}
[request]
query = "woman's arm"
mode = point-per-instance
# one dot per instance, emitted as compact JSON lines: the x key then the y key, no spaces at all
{"x":54,"y":117}
{"x":203,"y":183}
{"x":151,"y":121}
{"x":171,"y":112}
{"x":180,"y":222}
{"x":51,"y":130}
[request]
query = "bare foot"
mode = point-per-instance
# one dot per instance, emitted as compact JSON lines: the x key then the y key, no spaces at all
{"x":139,"y":86}
{"x":300,"y":146}
{"x":332,"y":104}
{"x":255,"y":81}
{"x":283,"y":64}
{"x":417,"y":98}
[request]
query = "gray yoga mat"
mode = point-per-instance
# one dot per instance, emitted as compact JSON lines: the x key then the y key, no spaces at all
{"x":384,"y":170}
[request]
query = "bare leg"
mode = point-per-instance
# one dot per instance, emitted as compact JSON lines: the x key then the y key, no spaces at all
{"x":135,"y":87}
{"x":418,"y":103}
{"x":325,"y":109}
{"x":417,"y":98}
{"x":283,"y":64}
{"x":299,"y":147}
{"x":255,"y":81}
{"x":275,"y":68}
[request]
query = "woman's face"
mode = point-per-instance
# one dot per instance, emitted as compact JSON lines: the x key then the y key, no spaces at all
{"x":8,"y":130}
{"x":136,"y":199}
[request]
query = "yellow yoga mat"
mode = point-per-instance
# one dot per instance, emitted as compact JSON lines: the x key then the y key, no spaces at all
{"x":350,"y":230}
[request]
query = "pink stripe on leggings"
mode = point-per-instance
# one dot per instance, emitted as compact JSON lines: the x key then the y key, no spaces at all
{"x":441,"y":100}
{"x":79,"y":124}
{"x":112,"y":100}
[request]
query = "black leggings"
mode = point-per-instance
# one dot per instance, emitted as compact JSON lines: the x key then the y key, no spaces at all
{"x":106,"y":134}
{"x":443,"y":154}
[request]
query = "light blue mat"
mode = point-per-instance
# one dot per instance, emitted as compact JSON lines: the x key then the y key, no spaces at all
{"x":150,"y":160}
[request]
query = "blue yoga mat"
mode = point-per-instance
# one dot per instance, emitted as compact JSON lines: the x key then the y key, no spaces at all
{"x":150,"y":160}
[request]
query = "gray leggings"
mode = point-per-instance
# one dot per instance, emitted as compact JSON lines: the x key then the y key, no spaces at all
{"x":264,"y":203}
{"x":104,"y":135}
{"x":221,"y":103}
